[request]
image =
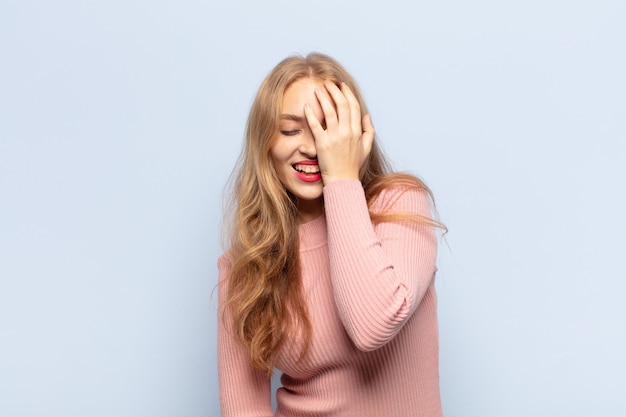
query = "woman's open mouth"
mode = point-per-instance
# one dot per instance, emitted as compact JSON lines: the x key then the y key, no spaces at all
{"x":307,"y":172}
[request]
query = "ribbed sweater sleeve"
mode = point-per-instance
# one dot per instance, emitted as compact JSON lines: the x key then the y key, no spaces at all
{"x":379,"y":273}
{"x":244,"y":391}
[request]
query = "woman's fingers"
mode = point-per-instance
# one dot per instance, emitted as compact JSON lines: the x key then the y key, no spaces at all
{"x":368,"y":134}
{"x":328,"y":107}
{"x":341,"y":109}
{"x":341,"y":102}
{"x":316,"y":127}
{"x":355,"y":108}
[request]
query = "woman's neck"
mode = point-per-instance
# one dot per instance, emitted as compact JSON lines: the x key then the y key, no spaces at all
{"x":310,"y":210}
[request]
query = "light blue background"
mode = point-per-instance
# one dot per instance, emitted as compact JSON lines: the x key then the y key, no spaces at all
{"x":121,"y":120}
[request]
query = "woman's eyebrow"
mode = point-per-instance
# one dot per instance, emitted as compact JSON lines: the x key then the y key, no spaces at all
{"x":287,"y":116}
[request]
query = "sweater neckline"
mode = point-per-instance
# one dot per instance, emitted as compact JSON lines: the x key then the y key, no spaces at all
{"x":313,"y":233}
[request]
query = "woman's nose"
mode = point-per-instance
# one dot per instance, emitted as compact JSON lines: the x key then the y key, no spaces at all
{"x":307,"y":144}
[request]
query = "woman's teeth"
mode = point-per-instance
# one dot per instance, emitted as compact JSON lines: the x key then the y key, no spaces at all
{"x":307,"y":169}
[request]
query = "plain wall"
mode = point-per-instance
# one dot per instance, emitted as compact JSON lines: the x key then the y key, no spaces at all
{"x":120,"y":122}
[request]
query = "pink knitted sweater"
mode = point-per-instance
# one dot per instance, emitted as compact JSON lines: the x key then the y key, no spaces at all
{"x":372,"y":303}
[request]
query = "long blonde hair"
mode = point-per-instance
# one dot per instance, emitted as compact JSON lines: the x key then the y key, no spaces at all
{"x":264,"y":285}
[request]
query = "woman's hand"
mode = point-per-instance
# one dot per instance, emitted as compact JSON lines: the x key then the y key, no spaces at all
{"x":346,"y":141}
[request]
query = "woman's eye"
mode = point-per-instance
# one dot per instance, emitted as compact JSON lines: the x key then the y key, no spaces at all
{"x":289,"y":132}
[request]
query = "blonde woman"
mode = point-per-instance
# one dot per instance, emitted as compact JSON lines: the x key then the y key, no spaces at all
{"x":329,"y":275}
